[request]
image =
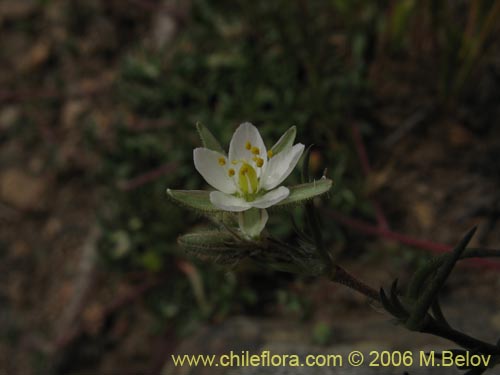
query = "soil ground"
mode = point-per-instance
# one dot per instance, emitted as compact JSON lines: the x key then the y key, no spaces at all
{"x":433,"y":181}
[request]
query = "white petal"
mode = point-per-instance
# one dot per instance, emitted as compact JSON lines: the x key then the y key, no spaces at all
{"x":246,"y":132}
{"x":207,"y":163}
{"x":280,"y":166}
{"x":228,"y":202}
{"x":271,"y":198}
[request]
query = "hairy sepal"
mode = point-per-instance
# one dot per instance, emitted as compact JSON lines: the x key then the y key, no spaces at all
{"x":197,"y":200}
{"x":217,"y":246}
{"x":304,"y":192}
{"x":208,"y":139}
{"x":285,"y":142}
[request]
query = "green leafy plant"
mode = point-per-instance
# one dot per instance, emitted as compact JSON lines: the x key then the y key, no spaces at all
{"x":418,"y":309}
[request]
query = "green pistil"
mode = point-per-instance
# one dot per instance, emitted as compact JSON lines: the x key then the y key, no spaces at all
{"x":247,"y":179}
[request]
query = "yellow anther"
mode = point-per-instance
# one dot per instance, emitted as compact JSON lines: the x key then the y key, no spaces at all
{"x":270,"y":154}
{"x":255,"y":150}
{"x":230,"y":172}
{"x":259,"y":162}
{"x":222,"y":161}
{"x":234,"y":162}
{"x":248,"y":145}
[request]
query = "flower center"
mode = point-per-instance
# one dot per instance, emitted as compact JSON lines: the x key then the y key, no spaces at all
{"x":247,"y":179}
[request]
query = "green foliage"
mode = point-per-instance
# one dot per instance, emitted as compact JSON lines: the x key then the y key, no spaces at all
{"x":420,"y":309}
{"x":322,"y":333}
{"x":208,"y":139}
{"x":285,"y":141}
{"x":460,"y":34}
{"x":198,"y":200}
{"x":275,"y":64}
{"x":303,"y":192}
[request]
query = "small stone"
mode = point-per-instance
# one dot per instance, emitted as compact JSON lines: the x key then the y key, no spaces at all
{"x":22,"y":190}
{"x":19,"y":249}
{"x":71,"y":112}
{"x":93,"y":318}
{"x":8,"y":117}
{"x":37,"y":55}
{"x":52,"y":228}
{"x":495,"y":321}
{"x":17,"y":9}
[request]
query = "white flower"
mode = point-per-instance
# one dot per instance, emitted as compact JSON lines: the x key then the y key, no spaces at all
{"x":249,"y":176}
{"x":247,"y":179}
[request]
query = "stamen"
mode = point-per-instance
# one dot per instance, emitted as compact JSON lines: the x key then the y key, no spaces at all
{"x":270,"y":154}
{"x":248,"y":145}
{"x":255,"y":150}
{"x":259,"y":162}
{"x":230,"y":172}
{"x":234,"y":162}
{"x":222,"y":161}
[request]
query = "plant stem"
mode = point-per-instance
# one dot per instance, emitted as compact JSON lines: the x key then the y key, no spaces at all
{"x":341,"y":276}
{"x":460,"y":338}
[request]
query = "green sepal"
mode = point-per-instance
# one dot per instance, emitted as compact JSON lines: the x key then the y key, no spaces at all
{"x":213,"y":241}
{"x":208,"y":139}
{"x":198,"y":200}
{"x":220,"y":247}
{"x":285,"y":141}
{"x":252,"y":222}
{"x":304,"y":192}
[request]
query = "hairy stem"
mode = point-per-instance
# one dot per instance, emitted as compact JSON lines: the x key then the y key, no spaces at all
{"x":341,"y":276}
{"x":460,"y":338}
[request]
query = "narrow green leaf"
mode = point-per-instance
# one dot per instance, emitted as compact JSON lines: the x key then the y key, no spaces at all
{"x":388,"y":305}
{"x":198,"y":200}
{"x":285,"y":141}
{"x":417,"y":317}
{"x":438,"y":313}
{"x":420,"y":277}
{"x":303,"y":192}
{"x":208,"y":139}
{"x":395,"y":300}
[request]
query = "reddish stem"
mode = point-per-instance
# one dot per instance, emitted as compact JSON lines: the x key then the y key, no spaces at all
{"x":367,"y":228}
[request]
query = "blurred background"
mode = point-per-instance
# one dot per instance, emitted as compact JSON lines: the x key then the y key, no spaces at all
{"x":98,"y":105}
